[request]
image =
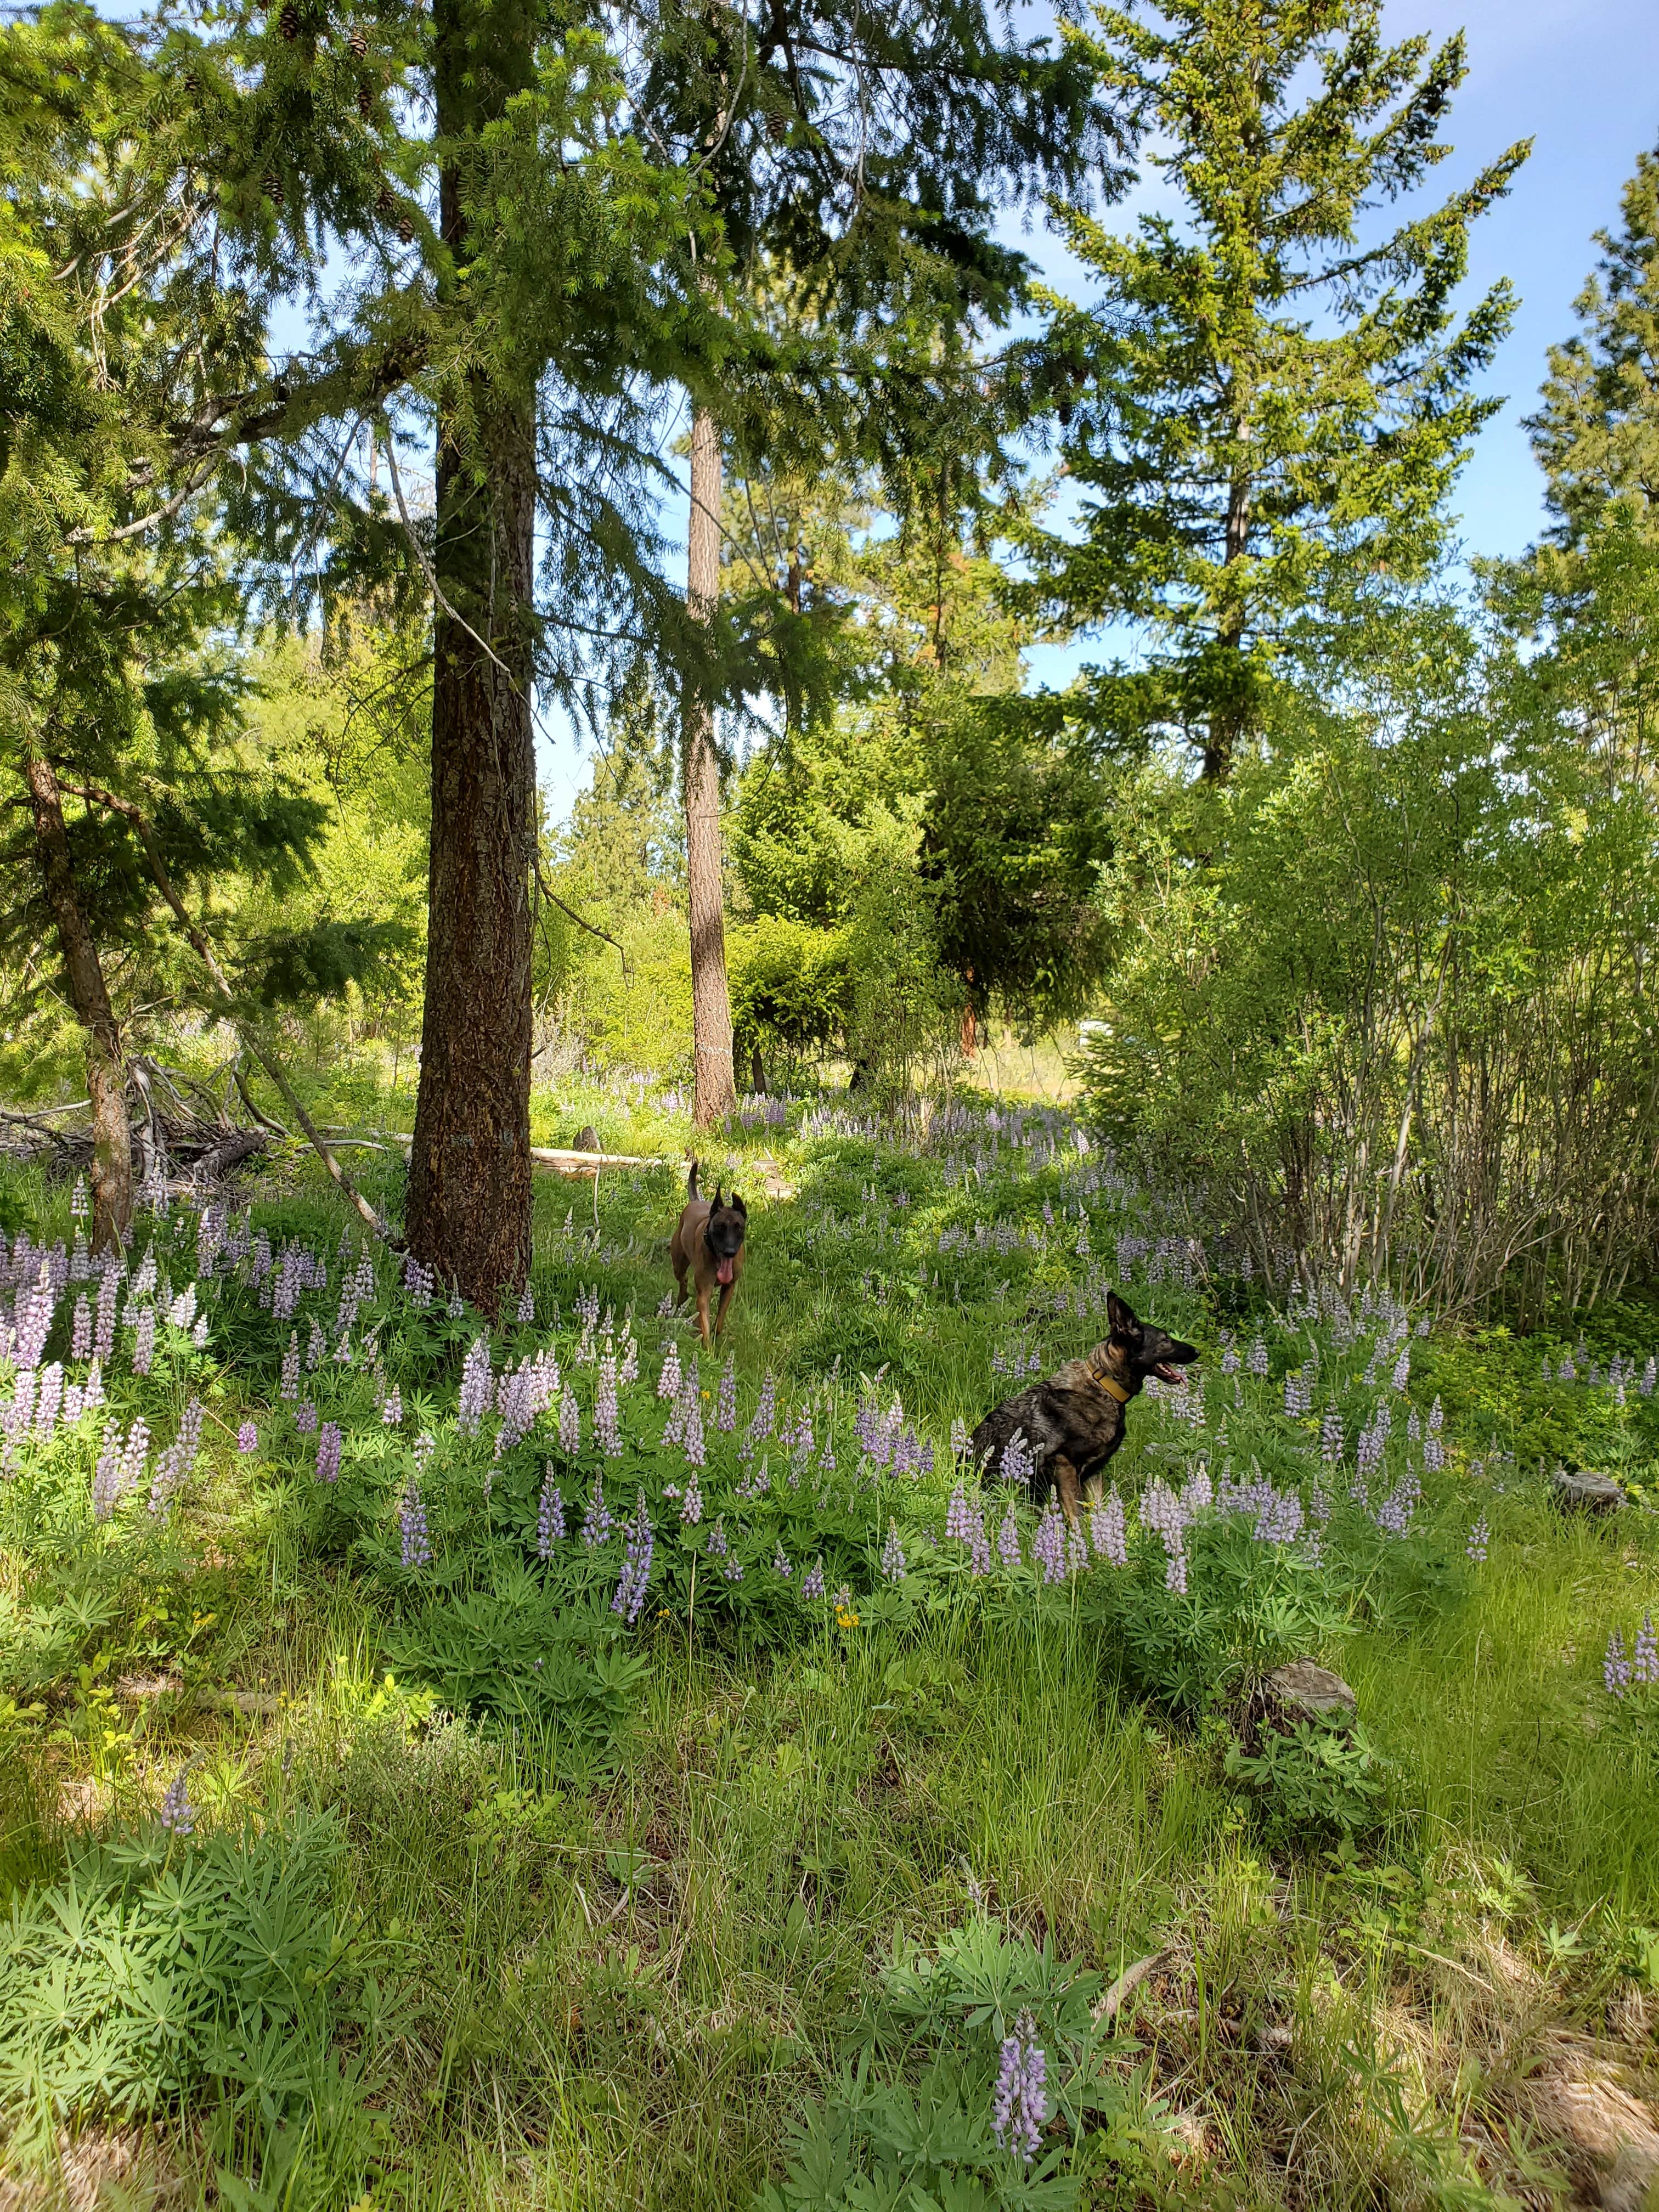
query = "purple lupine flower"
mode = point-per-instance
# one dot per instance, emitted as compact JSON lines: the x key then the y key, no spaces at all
{"x":637,"y":1565}
{"x":80,"y":1200}
{"x":550,"y":1516}
{"x":198,"y":1335}
{"x":526,"y":1307}
{"x":178,"y":1814}
{"x":717,"y":1547}
{"x":51,"y":1398}
{"x":1008,"y":1550}
{"x":475,"y":1395}
{"x":1257,"y":1360}
{"x":1229,"y":1352}
{"x":1479,"y":1535}
{"x":629,"y":1370}
{"x":144,"y":1342}
{"x":305,"y":1417}
{"x":107,"y":1475}
{"x":391,"y":1413}
{"x":781,"y":1562}
{"x":316,"y":1345}
{"x":1616,"y":1668}
{"x":328,"y":1452}
{"x":1018,"y":1461}
{"x":290,"y":1384}
{"x":667,"y":1306}
{"x":247,"y":1437}
{"x":1644,"y":1658}
{"x":668,"y":1383}
{"x":697,"y":1451}
{"x":1077,"y":1550}
{"x":81,"y":1329}
{"x":1019,"y":2103}
{"x":417,"y":1545}
{"x":1107,"y":1532}
{"x":109,"y":1292}
{"x":892,"y":1555}
{"x":812,"y":1584}
{"x":958,"y":1516}
{"x":570,"y":1424}
{"x":605,"y":1423}
{"x":979,"y":1544}
{"x":1049,"y":1544}
{"x":1402,"y":1367}
{"x":726,"y":1413}
{"x":598,"y":1523}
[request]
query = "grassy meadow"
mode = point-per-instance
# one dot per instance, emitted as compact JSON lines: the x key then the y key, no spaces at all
{"x":448,"y":1765}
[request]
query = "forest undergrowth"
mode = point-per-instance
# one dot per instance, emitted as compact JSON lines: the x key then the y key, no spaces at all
{"x":550,"y":1764}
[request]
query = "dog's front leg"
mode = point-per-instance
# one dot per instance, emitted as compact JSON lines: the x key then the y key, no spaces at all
{"x":703,"y":1311}
{"x":726,"y":1289}
{"x":1066,"y":1482}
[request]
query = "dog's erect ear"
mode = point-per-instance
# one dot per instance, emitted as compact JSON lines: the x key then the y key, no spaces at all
{"x":1121,"y":1317}
{"x":715,"y":1202}
{"x":737,"y":1205}
{"x":691,"y":1181}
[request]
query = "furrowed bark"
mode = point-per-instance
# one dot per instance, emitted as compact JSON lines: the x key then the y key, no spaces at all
{"x":111,"y":1138}
{"x":470,"y":1169}
{"x":714,"y":1088}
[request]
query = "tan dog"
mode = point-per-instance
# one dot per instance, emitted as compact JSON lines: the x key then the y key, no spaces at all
{"x":708,"y":1244}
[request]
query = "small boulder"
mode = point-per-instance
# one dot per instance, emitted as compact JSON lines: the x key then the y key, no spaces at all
{"x":1582,"y":1491}
{"x":586,"y":1140}
{"x":1301,"y":1691}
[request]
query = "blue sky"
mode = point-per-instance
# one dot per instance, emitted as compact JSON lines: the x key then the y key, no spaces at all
{"x":1580,"y":78}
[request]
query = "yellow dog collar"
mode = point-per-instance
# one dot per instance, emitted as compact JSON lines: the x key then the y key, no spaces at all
{"x":1112,"y":1389}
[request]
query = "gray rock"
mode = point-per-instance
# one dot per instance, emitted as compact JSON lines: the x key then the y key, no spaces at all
{"x":586,"y":1140}
{"x":1583,"y":1492}
{"x":1301,"y":1691}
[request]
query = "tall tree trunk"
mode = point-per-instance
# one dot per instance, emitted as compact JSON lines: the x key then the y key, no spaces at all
{"x":1231,"y":717}
{"x":713,"y":1089}
{"x":469,"y":1171}
{"x":111,"y":1139}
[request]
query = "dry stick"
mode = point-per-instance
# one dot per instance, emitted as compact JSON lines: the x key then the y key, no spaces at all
{"x":205,"y":951}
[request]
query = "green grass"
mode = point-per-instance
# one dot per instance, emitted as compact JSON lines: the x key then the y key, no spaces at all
{"x":565,"y":1983}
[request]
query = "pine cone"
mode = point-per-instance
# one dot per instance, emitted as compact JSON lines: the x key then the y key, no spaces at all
{"x":384,"y":206}
{"x":288,"y":22}
{"x":273,"y":188}
{"x":777,"y":128}
{"x":359,"y":44}
{"x":365,"y":99}
{"x":405,"y":231}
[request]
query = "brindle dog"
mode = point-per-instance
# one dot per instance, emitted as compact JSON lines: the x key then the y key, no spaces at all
{"x":708,"y":1244}
{"x":1074,"y":1421}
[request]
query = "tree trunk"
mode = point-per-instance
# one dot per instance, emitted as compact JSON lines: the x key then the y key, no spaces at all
{"x":111,"y":1139}
{"x":469,"y":1171}
{"x":1231,"y":717}
{"x":714,"y":1088}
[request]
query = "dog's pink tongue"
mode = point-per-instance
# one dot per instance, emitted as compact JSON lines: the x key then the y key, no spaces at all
{"x":723,"y":1272}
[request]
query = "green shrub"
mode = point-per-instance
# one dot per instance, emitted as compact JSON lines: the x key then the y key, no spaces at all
{"x":1322,"y":1778}
{"x":911,"y":2122}
{"x":154,"y":1968}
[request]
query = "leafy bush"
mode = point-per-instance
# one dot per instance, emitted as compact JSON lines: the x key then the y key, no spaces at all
{"x":153,"y":1969}
{"x":914,"y":2120}
{"x":1320,"y":1779}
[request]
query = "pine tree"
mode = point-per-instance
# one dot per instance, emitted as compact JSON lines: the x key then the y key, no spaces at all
{"x":857,"y":209}
{"x":1262,"y":408}
{"x":1596,"y":435}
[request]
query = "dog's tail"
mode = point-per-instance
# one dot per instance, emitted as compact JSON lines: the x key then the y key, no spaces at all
{"x":691,"y":1181}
